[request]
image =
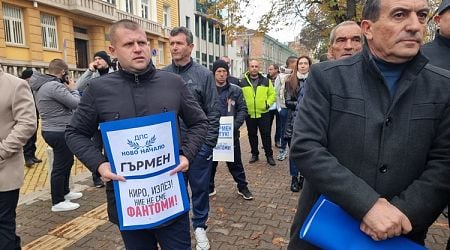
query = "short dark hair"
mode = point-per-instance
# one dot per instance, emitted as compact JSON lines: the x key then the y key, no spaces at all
{"x":183,"y":30}
{"x":124,"y":23}
{"x":56,"y":66}
{"x":290,"y":59}
{"x":371,"y":10}
{"x":275,"y":66}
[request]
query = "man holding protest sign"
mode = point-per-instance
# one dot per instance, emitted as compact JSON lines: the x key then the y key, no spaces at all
{"x":231,"y":103}
{"x":137,"y":90}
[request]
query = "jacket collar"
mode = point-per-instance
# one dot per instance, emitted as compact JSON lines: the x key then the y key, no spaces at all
{"x":414,"y":66}
{"x":148,"y":73}
{"x":181,"y":69}
{"x":443,"y":41}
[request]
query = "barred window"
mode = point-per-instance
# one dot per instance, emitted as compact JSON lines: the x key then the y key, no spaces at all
{"x":49,"y":34}
{"x":13,"y":25}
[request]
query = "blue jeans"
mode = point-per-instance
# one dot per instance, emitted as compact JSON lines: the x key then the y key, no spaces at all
{"x":8,"y":204}
{"x":62,"y":164}
{"x":173,"y":236}
{"x":282,"y":117}
{"x":198,"y":177}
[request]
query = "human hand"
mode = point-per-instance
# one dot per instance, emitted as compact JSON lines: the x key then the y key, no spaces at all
{"x":106,"y":175}
{"x":183,"y":166}
{"x":93,"y":66}
{"x":384,"y":221}
{"x":70,"y":84}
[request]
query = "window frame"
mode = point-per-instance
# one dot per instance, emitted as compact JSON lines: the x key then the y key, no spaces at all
{"x":17,"y":37}
{"x":47,"y":29}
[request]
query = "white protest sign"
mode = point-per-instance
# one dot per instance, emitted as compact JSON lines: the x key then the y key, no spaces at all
{"x":144,"y":150}
{"x":224,"y":150}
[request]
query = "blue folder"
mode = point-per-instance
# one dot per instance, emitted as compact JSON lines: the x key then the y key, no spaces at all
{"x":329,"y":227}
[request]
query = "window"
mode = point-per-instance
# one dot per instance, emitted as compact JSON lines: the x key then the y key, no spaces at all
{"x":204,"y":59}
{"x":197,"y":56}
{"x":166,"y":16}
{"x":129,"y":6}
{"x":203,"y":29}
{"x":145,"y":9}
{"x":188,"y":22}
{"x":160,"y":52}
{"x":197,"y":31}
{"x":110,"y":1}
{"x":210,"y":32}
{"x":48,"y":30}
{"x":217,"y":36}
{"x":223,"y":39}
{"x":13,"y":25}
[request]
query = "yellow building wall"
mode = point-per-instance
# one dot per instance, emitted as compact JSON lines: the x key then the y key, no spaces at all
{"x":33,"y":53}
{"x":173,"y":11}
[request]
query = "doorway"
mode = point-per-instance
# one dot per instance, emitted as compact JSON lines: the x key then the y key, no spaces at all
{"x":81,"y":53}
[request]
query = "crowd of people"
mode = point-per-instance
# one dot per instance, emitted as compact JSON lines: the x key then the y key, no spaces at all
{"x":369,"y":127}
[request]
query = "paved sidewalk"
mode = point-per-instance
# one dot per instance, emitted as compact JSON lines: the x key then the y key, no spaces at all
{"x":234,"y":223}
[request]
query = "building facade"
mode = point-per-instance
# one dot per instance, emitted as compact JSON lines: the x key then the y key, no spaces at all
{"x":210,"y":42}
{"x":264,"y":48}
{"x":32,"y":33}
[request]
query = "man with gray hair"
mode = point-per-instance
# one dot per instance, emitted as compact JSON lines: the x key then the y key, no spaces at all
{"x":345,"y":40}
{"x":377,"y":143}
{"x":201,"y":83}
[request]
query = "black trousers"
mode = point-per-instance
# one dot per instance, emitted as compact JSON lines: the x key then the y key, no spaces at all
{"x":263,"y":124}
{"x":62,"y":164}
{"x":236,"y":168}
{"x":29,"y":149}
{"x":8,"y":204}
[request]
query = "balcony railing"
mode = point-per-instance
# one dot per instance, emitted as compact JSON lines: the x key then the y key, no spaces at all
{"x":147,"y":25}
{"x":105,"y":11}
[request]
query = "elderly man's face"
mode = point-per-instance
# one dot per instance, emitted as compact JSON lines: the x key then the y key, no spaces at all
{"x":347,"y":42}
{"x":443,"y":21}
{"x":397,"y":34}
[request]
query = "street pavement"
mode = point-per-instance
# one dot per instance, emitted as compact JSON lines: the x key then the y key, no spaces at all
{"x":234,"y":223}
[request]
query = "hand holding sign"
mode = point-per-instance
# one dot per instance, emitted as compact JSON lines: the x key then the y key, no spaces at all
{"x":183,"y":166}
{"x":106,"y":174}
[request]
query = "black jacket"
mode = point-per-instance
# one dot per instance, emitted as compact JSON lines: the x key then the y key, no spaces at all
{"x":355,"y":143}
{"x":231,"y":96}
{"x":120,"y":95}
{"x":438,"y":52}
{"x":291,"y":101}
{"x":201,"y":83}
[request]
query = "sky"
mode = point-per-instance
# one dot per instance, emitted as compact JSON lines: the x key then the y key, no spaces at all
{"x":281,"y":33}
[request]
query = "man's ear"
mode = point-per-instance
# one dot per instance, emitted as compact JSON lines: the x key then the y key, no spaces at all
{"x":112,"y":50}
{"x":330,"y":54}
{"x":366,"y":29}
{"x":437,"y":20}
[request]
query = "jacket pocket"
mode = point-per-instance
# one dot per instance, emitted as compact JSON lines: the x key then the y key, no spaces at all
{"x":427,"y":111}
{"x":348,"y":105}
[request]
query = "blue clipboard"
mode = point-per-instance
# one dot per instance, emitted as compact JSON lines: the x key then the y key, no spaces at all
{"x":328,"y":226}
{"x":137,"y":123}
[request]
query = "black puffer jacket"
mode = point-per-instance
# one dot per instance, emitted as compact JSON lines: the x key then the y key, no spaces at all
{"x":201,"y":83}
{"x":291,"y":100}
{"x":122,"y":95}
